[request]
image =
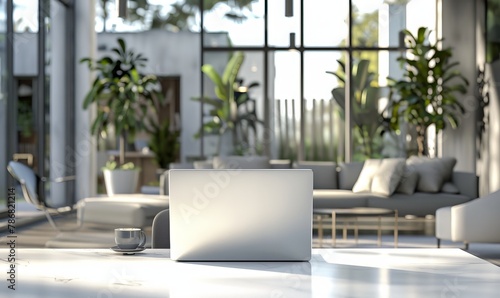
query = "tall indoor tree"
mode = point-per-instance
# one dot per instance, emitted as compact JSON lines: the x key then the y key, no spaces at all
{"x":427,"y":92}
{"x":364,"y":104}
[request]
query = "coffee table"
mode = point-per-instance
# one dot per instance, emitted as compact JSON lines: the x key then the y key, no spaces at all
{"x":355,"y":213}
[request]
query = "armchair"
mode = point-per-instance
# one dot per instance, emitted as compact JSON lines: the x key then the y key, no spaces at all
{"x":29,"y":185}
{"x":160,"y":234}
{"x":474,"y":221}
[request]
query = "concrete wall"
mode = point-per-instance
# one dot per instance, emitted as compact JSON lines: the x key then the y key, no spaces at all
{"x":489,"y":161}
{"x":459,"y":32}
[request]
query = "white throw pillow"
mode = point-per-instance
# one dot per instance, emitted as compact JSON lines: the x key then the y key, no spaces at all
{"x":388,"y":176}
{"x":364,"y":182}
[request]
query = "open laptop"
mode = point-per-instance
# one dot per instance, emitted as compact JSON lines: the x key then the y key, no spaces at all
{"x":240,"y":215}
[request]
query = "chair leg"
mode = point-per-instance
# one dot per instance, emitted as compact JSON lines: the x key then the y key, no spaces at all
{"x":438,"y":242}
{"x":53,"y":224}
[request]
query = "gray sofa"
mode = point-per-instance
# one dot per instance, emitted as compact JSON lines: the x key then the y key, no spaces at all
{"x":333,"y":186}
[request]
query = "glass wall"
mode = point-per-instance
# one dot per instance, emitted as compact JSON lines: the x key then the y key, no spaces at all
{"x":26,"y":63}
{"x":3,"y":106}
{"x":233,"y":103}
{"x":330,"y":63}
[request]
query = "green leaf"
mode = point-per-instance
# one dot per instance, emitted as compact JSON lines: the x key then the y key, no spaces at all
{"x":339,"y":96}
{"x":360,"y":75}
{"x":232,"y":68}
{"x":220,"y":87}
{"x":340,"y":77}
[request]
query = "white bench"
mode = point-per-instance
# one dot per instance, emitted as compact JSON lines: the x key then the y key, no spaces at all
{"x":135,"y":210}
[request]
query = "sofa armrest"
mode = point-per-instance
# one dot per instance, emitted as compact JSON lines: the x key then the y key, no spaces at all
{"x":443,"y":223}
{"x":467,"y":183}
{"x":477,"y":220}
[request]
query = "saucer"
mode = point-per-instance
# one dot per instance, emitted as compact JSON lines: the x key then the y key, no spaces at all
{"x":128,"y":251}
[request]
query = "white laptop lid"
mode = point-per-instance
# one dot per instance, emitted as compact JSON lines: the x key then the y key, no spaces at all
{"x":241,"y":215}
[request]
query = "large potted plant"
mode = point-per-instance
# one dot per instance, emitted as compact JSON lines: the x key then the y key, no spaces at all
{"x":124,"y":98}
{"x":364,"y":104}
{"x":427,"y":93}
{"x":164,"y":143}
{"x":232,"y":112}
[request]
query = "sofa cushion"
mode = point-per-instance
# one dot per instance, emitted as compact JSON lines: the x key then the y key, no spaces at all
{"x":365,"y":178}
{"x":203,"y":164}
{"x":432,"y":172}
{"x":339,"y":198}
{"x":449,"y":187}
{"x":388,"y":176}
{"x":418,"y":204}
{"x":349,"y":173}
{"x":324,"y":173}
{"x":280,"y":163}
{"x":380,"y":176}
{"x":408,"y":182}
{"x":241,"y":162}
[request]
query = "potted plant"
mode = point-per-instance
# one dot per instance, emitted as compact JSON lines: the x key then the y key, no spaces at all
{"x":164,"y":143}
{"x":427,"y":93}
{"x":364,"y":105}
{"x":124,"y":98}
{"x":232,"y":113}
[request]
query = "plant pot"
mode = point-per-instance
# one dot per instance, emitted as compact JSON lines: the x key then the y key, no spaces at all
{"x":121,"y":181}
{"x":226,"y":143}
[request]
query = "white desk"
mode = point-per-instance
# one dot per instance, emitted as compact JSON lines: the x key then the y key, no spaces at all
{"x":331,"y":273}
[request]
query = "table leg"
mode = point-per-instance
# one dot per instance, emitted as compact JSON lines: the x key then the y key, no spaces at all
{"x":333,"y":229}
{"x":344,"y":230}
{"x":379,"y":232}
{"x":396,"y":228}
{"x":320,"y":230}
{"x":356,"y":230}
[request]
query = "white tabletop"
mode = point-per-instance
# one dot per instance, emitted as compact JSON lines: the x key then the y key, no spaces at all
{"x":330,"y":273}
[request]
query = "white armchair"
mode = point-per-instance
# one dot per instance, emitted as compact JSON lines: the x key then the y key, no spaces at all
{"x":474,"y":221}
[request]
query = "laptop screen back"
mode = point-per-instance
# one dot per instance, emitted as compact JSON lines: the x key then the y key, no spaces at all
{"x":240,"y":215}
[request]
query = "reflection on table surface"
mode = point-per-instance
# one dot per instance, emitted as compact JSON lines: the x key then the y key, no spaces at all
{"x":330,"y":273}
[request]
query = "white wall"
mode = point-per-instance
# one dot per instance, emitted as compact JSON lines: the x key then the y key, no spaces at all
{"x":57,"y":103}
{"x":172,"y":54}
{"x":86,"y":160}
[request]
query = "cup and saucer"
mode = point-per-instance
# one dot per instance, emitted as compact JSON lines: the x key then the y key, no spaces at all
{"x":129,"y":240}
{"x":128,"y":251}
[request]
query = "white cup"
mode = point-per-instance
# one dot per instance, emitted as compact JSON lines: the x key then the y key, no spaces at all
{"x":129,"y":238}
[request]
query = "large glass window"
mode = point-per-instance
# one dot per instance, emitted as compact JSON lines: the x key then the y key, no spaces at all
{"x":243,"y":21}
{"x":3,"y":106}
{"x":323,"y":113}
{"x":325,"y":23}
{"x":28,"y":65}
{"x":328,"y":95}
{"x":234,"y":113}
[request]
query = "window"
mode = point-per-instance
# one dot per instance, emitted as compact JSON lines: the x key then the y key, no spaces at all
{"x":307,"y":80}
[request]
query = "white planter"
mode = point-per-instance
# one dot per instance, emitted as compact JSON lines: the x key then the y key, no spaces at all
{"x":121,"y":181}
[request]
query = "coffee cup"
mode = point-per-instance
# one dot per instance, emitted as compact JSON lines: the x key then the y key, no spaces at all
{"x":129,"y":238}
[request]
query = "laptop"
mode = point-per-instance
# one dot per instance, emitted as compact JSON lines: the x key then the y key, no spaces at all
{"x":240,"y":215}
